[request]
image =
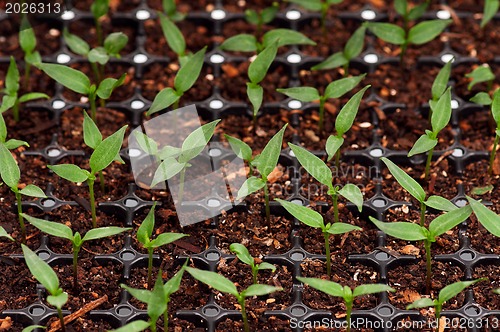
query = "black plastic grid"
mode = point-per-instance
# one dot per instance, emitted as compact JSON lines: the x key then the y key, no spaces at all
{"x":381,"y":260}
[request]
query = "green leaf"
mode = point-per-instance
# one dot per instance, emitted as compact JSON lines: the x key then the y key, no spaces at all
{"x":145,"y":231}
{"x":242,"y":253}
{"x":401,"y":7}
{"x":166,"y":238}
{"x":266,"y":266}
{"x":333,"y":61}
{"x":98,"y":55}
{"x":423,"y":144}
{"x":158,"y":302}
{"x":91,"y":134}
{"x":102,"y":232}
{"x":480,"y":74}
{"x":169,"y":152}
{"x":135,"y":326}
{"x":251,"y":16}
{"x":173,"y":35}
{"x":285,"y":37}
{"x":58,"y":300}
{"x":268,"y":158}
{"x":328,"y":287}
{"x":421,"y":303}
{"x":214,"y":280}
{"x":338,"y":88}
{"x":12,"y":78}
{"x":32,"y":191}
{"x":342,"y":228}
{"x":405,"y":180}
{"x":51,"y":228}
{"x":33,"y":58}
{"x":481,"y":98}
{"x":347,"y":114}
{"x":259,"y":290}
{"x":99,"y":8}
{"x":303,"y":214}
{"x":268,"y":14}
{"x":106,"y":152}
{"x":454,"y":289}
{"x":303,"y":93}
{"x":355,"y":44}
{"x":388,"y":32}
{"x":167,"y":169}
{"x":14,"y":144}
{"x":417,"y":11}
{"x":255,"y":94}
{"x":163,"y":99}
{"x":371,"y":289}
{"x":426,"y":31}
{"x":489,"y":10}
{"x":251,"y":185}
{"x":27,"y":38}
{"x":333,"y":144}
{"x":115,"y":42}
{"x":489,"y":219}
{"x":240,"y":43}
{"x":240,"y":148}
{"x":440,"y":203}
{"x":313,"y":165}
{"x":142,"y":295}
{"x":312,"y":5}
{"x":189,"y":72}
{"x":9,"y":171}
{"x":482,"y":190}
{"x":32,"y":96}
{"x":441,"y":113}
{"x":70,"y":172}
{"x":447,"y":221}
{"x":3,"y":233}
{"x":174,"y":283}
{"x":353,"y":194}
{"x":41,"y":270}
{"x":7,"y":103}
{"x":495,"y":107}
{"x":3,"y":129}
{"x":32,"y":328}
{"x":107,"y":86}
{"x":71,"y":78}
{"x":76,"y":44}
{"x":401,"y":230}
{"x":197,"y":141}
{"x":259,"y":67}
{"x":441,"y":81}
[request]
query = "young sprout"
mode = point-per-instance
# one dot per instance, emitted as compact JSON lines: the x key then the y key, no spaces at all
{"x":78,"y":82}
{"x":412,"y":232}
{"x":489,"y":219}
{"x":335,"y":89}
{"x":11,"y":98}
{"x":174,"y":38}
{"x":157,"y":301}
{"x":242,"y":151}
{"x":184,"y":80}
{"x":478,"y":75}
{"x":261,"y":17}
{"x":170,"y":9}
{"x":3,"y":233}
{"x":441,"y":115}
{"x":352,"y":49}
{"x":265,"y":163}
{"x":346,"y":293}
{"x":145,"y":237}
{"x":224,"y":285}
{"x":48,"y":278}
{"x":11,"y":176}
{"x":322,"y":173}
{"x":314,"y":219}
{"x":12,"y":143}
{"x":104,"y":154}
{"x":99,"y":9}
{"x":243,"y":255}
{"x":63,"y":231}
{"x":409,"y":14}
{"x":317,"y":6}
{"x":439,"y":86}
{"x":27,"y":41}
{"x":445,"y":294}
{"x":489,"y":10}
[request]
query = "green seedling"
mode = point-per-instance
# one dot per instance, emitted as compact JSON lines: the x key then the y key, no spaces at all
{"x":317,"y":6}
{"x":481,"y":74}
{"x":173,"y":160}
{"x":314,"y":219}
{"x":335,"y":89}
{"x":441,"y":115}
{"x":242,"y":151}
{"x":439,"y":85}
{"x":11,"y":98}
{"x":32,"y":328}
{"x":27,"y":41}
{"x":48,"y":278}
{"x":489,"y":10}
{"x":11,"y":176}
{"x":104,"y":154}
{"x":157,"y":301}
{"x":184,"y":80}
{"x":265,"y":163}
{"x":256,"y":73}
{"x":261,"y":17}
{"x":322,"y":173}
{"x":174,"y":37}
{"x":445,"y":294}
{"x":352,"y":49}
{"x":12,"y":143}
{"x":243,"y":255}
{"x":410,"y":14}
{"x":145,"y":237}
{"x":64,"y":232}
{"x":3,"y":233}
{"x":78,"y":82}
{"x":249,"y":43}
{"x":489,"y":219}
{"x":99,"y":9}
{"x":100,"y":55}
{"x":170,"y":9}
{"x":224,"y":285}
{"x":408,"y":231}
{"x":495,"y":111}
{"x":346,"y":293}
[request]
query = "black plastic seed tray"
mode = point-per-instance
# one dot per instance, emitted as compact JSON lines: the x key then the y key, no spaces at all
{"x":214,"y":107}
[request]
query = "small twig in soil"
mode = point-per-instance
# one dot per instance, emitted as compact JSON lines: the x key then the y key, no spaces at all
{"x":79,"y":313}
